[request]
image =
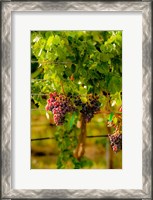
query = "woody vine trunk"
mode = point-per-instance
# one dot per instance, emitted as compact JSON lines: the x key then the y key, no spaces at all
{"x":80,"y":150}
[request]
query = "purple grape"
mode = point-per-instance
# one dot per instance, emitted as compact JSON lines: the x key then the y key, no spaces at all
{"x":59,"y":105}
{"x":88,"y":109}
{"x":115,"y":141}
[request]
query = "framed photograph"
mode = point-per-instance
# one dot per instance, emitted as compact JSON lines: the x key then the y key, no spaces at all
{"x":76,"y":99}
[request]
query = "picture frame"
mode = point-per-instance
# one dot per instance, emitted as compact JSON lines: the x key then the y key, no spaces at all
{"x":7,"y":115}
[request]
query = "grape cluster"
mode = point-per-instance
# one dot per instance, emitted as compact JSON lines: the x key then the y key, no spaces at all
{"x":89,"y":108}
{"x":116,"y":142}
{"x":59,"y":105}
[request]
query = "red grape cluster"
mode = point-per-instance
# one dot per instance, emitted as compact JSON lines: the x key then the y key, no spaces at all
{"x":89,"y":108}
{"x":116,"y":141}
{"x":59,"y":104}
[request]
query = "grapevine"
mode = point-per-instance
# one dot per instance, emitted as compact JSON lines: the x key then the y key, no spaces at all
{"x":76,"y":81}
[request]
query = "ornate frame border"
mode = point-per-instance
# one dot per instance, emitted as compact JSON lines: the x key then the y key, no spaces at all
{"x":7,"y":8}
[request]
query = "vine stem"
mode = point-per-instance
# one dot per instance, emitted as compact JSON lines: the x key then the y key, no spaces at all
{"x":62,"y":87}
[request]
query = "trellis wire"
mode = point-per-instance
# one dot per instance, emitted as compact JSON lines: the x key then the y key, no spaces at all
{"x":52,"y":138}
{"x":100,"y":112}
{"x":41,"y":94}
{"x":51,"y":62}
{"x":47,"y":94}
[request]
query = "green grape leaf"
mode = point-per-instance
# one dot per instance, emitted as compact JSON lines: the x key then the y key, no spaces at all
{"x":111,"y":116}
{"x":72,"y":120}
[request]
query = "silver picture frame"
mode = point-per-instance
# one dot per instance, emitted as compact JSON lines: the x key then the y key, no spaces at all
{"x":7,"y":7}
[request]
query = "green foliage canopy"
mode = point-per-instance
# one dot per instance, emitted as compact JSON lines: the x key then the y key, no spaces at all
{"x":79,"y":62}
